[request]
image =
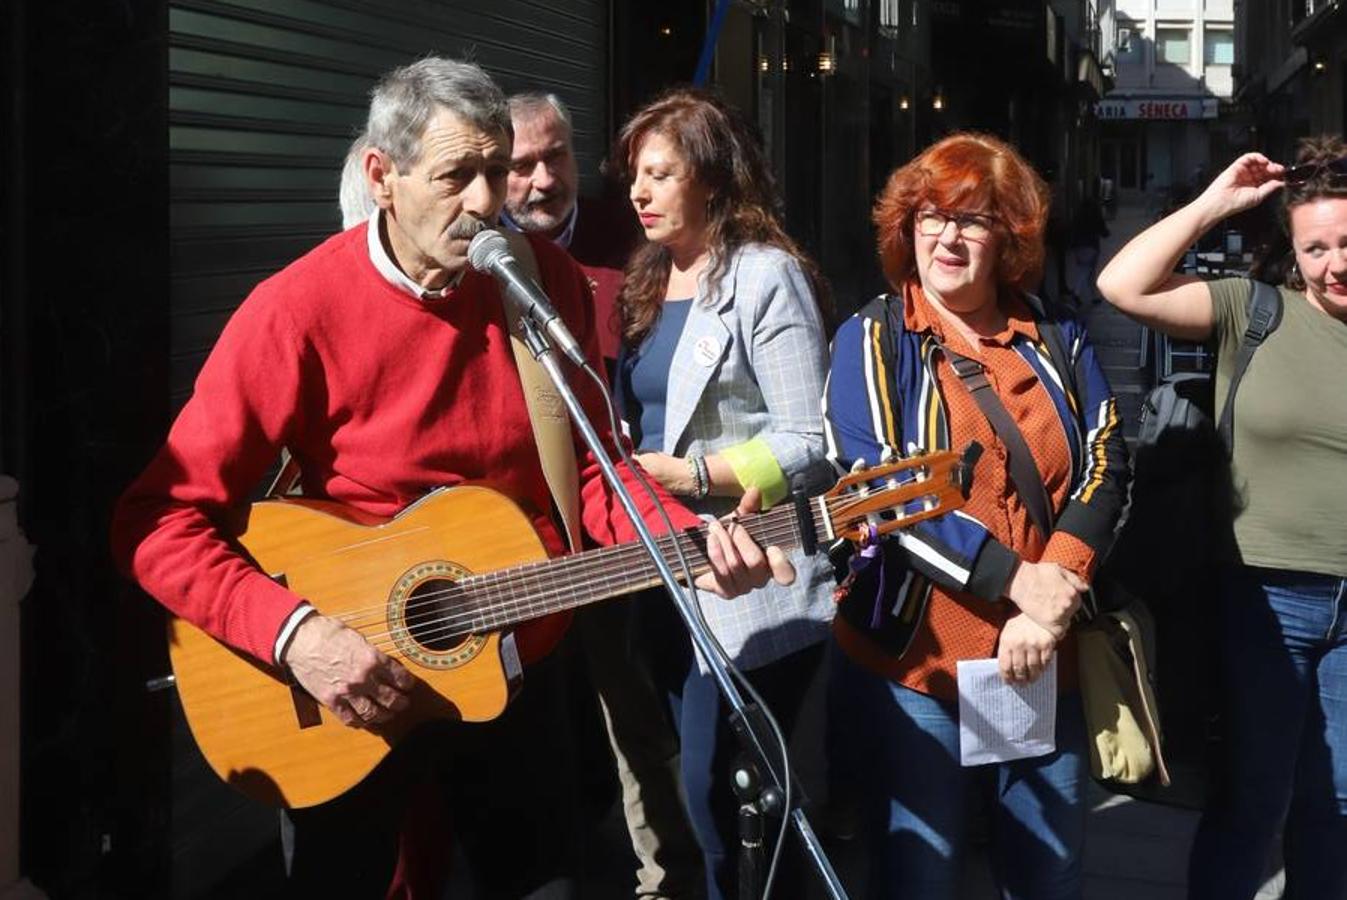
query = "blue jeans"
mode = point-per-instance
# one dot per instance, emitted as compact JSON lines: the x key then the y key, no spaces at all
{"x":904,"y":747}
{"x":1284,"y":703}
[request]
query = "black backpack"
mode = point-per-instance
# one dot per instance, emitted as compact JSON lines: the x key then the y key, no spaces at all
{"x":1175,"y":534}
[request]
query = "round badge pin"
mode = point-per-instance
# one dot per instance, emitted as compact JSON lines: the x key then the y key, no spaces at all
{"x":706,"y":351}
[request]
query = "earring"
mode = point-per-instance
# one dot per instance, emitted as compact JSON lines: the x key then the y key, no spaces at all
{"x":1294,"y":280}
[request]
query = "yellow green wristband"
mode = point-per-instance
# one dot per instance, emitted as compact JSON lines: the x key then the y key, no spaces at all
{"x":754,"y":466}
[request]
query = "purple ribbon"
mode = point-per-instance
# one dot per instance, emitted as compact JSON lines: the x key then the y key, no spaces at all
{"x":861,"y":561}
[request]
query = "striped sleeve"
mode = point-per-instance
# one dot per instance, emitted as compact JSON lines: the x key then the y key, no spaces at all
{"x":1100,"y":490}
{"x":863,"y":422}
{"x":858,"y":415}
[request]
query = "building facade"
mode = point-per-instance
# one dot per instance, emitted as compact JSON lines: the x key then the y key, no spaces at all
{"x":1172,"y":63}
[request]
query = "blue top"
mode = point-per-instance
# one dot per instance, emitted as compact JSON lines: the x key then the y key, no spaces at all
{"x":645,"y":376}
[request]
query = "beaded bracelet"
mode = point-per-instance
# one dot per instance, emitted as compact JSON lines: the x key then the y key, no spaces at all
{"x":701,"y":476}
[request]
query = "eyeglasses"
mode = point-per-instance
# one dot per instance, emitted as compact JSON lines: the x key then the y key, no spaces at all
{"x":1336,"y":168}
{"x":969,"y":225}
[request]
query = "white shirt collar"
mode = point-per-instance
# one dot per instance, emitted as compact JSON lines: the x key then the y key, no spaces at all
{"x":389,"y":269}
{"x":562,"y":240}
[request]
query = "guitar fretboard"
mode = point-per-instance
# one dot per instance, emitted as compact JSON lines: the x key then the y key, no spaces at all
{"x":508,"y":596}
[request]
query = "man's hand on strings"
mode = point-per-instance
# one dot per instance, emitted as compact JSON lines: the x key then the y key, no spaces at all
{"x":342,"y":671}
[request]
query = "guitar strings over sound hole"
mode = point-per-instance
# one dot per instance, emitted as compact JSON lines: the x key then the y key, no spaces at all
{"x":429,"y":616}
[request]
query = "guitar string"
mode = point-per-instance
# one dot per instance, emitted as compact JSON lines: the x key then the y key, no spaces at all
{"x":842,"y":504}
{"x":574,"y":564}
{"x":592,"y":566}
{"x":429,"y":604}
{"x":610,"y":580}
{"x":496,"y":615}
{"x":609,"y":565}
{"x":488,"y":581}
{"x":492,"y":614}
{"x":477,"y":579}
{"x":461,"y":630}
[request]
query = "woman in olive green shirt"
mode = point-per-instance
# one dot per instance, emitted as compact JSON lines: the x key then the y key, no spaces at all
{"x":1283,"y":615}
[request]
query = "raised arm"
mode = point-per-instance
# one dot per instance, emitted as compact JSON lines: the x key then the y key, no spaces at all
{"x":1140,"y":279}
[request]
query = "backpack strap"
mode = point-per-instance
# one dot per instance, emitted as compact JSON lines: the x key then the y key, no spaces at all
{"x":1057,"y":349}
{"x":1265,"y":314}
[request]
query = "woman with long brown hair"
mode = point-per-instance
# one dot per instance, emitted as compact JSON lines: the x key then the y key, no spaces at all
{"x":720,"y":379}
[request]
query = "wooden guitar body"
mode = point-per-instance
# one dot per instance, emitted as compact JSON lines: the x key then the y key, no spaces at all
{"x":272,"y":740}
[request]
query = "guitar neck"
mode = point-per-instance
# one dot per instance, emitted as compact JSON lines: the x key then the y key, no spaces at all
{"x":508,"y":596}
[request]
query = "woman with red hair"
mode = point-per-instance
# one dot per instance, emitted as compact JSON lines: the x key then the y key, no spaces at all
{"x":958,"y":353}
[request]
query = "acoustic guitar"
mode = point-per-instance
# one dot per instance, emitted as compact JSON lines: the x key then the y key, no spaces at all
{"x":437,"y":588}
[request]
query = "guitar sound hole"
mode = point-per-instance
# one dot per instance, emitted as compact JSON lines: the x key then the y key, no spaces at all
{"x":429,"y":616}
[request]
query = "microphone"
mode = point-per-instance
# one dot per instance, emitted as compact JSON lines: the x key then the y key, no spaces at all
{"x":490,"y":252}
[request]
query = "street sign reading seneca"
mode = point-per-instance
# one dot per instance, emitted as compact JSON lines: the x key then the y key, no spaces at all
{"x":1157,"y":108}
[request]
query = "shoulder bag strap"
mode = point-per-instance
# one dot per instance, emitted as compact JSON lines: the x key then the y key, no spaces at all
{"x":1265,"y":314}
{"x":547,"y":412}
{"x":1023,"y":470}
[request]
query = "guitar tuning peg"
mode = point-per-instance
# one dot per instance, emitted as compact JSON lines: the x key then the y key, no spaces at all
{"x":859,"y":465}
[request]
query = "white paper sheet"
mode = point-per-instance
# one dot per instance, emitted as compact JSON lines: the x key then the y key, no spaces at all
{"x":999,"y":721}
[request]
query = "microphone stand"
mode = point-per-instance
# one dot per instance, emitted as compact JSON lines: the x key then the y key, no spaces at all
{"x":763,"y":793}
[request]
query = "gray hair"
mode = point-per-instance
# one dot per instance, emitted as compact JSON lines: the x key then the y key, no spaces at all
{"x":356,"y":203}
{"x":531,"y":103}
{"x":405,"y":100}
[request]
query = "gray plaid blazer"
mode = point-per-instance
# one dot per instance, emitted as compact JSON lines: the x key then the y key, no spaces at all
{"x":751,"y":362}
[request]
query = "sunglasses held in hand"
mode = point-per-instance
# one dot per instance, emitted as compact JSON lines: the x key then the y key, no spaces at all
{"x":1336,"y":168}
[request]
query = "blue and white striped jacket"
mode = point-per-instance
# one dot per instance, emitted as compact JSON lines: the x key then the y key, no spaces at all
{"x":883,"y":399}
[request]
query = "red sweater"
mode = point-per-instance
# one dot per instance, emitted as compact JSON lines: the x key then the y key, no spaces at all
{"x":381,"y":398}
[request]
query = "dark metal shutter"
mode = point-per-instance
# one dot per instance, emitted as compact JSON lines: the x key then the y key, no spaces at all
{"x":266,"y":95}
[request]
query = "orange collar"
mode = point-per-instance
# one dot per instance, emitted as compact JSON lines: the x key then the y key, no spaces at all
{"x":920,"y":316}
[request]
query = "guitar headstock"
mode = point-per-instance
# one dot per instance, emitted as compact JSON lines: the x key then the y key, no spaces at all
{"x":940,"y":482}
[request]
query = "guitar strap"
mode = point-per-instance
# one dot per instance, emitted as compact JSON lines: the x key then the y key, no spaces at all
{"x":547,"y":415}
{"x":547,"y":412}
{"x":287,"y":477}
